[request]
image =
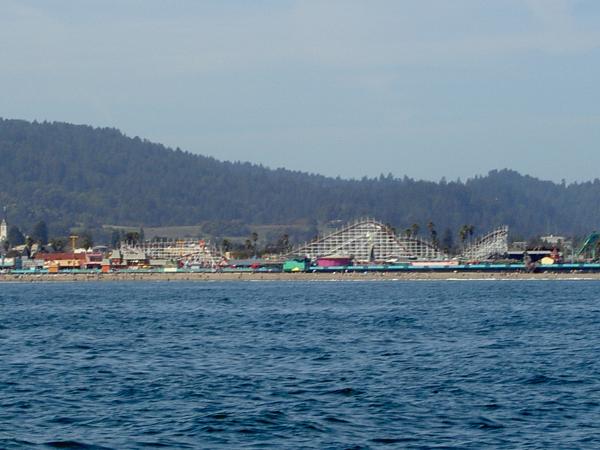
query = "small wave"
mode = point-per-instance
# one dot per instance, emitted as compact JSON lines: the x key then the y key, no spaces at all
{"x":76,"y":347}
{"x":492,"y":406}
{"x":297,"y":392}
{"x":391,"y":440}
{"x":211,"y":429}
{"x":219,"y":416}
{"x":526,"y":412}
{"x":538,"y":379}
{"x":395,"y":321}
{"x":497,"y":345}
{"x":335,"y":420}
{"x":313,"y":427}
{"x":75,"y":445}
{"x":346,"y":392}
{"x":561,"y":380}
{"x":271,"y":417}
{"x":8,"y":443}
{"x":68,"y":420}
{"x":483,"y":423}
{"x":152,"y":444}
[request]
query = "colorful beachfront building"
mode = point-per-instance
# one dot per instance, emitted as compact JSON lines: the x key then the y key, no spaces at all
{"x":55,"y":262}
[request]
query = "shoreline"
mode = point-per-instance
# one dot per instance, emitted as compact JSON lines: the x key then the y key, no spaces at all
{"x":283,"y":276}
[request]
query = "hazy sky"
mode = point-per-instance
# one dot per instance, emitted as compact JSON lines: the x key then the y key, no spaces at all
{"x":424,"y":88}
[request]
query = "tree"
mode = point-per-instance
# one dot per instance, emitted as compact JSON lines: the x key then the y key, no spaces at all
{"x":432,"y":233}
{"x":69,"y":190}
{"x":254,"y":241}
{"x":470,"y":230}
{"x":226,"y":245}
{"x":415,"y":229}
{"x":86,"y":239}
{"x":132,"y":237}
{"x":283,"y":244}
{"x":15,"y":236}
{"x":115,"y":240}
{"x":40,"y":233}
{"x":58,"y":244}
{"x":463,"y":232}
{"x":466,"y":231}
{"x":447,"y":241}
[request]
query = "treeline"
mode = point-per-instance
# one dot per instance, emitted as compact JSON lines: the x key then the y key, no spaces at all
{"x":79,"y":176}
{"x":39,"y":235}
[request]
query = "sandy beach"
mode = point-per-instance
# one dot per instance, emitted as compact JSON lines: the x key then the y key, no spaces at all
{"x":264,"y":276}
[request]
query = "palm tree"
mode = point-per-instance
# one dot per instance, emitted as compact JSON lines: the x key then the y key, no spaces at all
{"x":283,"y":245}
{"x":470,"y":230}
{"x":390,"y":228}
{"x":464,"y":230}
{"x":415,"y":229}
{"x":254,"y":239}
{"x":132,"y":237}
{"x":432,"y":232}
{"x":226,"y":244}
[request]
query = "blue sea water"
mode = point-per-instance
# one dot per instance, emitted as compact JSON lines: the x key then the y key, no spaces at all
{"x":472,"y":364}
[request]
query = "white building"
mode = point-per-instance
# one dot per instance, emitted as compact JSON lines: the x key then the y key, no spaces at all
{"x":553,"y":240}
{"x":3,"y":230}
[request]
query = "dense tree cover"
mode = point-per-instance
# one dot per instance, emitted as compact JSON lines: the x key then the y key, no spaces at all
{"x":15,"y":237}
{"x":39,"y":233}
{"x":79,"y":176}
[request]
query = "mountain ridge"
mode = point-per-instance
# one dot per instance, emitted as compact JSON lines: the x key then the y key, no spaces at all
{"x":78,"y":175}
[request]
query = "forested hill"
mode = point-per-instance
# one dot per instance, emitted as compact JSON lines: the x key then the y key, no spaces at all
{"x":78,"y":175}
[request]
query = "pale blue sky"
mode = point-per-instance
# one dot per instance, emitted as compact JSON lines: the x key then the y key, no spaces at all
{"x":424,"y":88}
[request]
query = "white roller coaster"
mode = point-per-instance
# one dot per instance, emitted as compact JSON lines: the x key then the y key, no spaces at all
{"x":367,"y":240}
{"x":191,"y":252}
{"x":489,"y":246}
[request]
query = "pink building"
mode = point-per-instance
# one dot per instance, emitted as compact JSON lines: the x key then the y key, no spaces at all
{"x":330,"y":261}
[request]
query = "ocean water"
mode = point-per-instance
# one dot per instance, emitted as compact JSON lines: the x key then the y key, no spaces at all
{"x":348,"y":365}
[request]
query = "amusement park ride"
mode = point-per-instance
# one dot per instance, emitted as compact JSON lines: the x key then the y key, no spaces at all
{"x":364,"y":241}
{"x":190,"y":252}
{"x":368,"y":240}
{"x":589,"y":249}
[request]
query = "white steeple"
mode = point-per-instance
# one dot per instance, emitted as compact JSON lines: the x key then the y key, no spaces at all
{"x":3,"y":230}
